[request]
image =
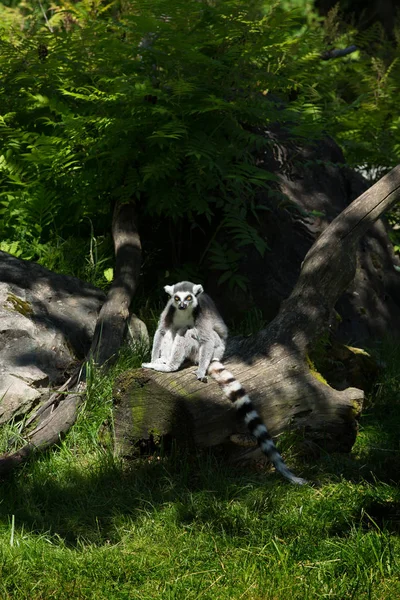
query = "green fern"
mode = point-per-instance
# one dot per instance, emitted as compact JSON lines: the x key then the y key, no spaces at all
{"x":90,"y":114}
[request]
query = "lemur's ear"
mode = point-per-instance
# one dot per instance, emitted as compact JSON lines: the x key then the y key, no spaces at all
{"x":197,"y":289}
{"x":169,"y":289}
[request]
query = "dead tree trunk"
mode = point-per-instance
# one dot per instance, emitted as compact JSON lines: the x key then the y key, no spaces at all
{"x":112,"y":320}
{"x":272,"y":365}
{"x":59,"y":413}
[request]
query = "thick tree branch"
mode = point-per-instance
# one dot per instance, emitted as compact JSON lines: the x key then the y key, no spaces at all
{"x":330,"y":264}
{"x":111,"y":324}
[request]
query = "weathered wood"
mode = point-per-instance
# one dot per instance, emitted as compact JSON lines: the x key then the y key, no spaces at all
{"x":329,"y":266}
{"x":158,"y":404}
{"x":272,"y":365}
{"x":48,"y":432}
{"x":112,"y":320}
{"x":59,"y":413}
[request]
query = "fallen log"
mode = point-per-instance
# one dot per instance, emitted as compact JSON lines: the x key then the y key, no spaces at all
{"x":272,"y":365}
{"x":57,"y":415}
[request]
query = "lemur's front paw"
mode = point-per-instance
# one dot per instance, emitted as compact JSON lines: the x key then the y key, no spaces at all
{"x":154,"y":364}
{"x":201,"y":376}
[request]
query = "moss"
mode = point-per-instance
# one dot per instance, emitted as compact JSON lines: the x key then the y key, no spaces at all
{"x":19,"y":305}
{"x":138,"y":417}
{"x":357,"y":407}
{"x":128,"y":379}
{"x":176,"y":386}
{"x":316,"y":373}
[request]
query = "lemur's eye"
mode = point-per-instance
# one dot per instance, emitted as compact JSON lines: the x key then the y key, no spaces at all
{"x":176,"y":298}
{"x":189,"y":298}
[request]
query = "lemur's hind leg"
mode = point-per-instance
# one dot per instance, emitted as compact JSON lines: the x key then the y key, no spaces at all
{"x":219,"y":349}
{"x":211,"y":350}
{"x":172,"y":357}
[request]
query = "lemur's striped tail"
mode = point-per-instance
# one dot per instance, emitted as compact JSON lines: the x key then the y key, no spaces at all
{"x":234,"y":390}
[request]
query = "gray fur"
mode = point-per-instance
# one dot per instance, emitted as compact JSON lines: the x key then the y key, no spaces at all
{"x":191,"y":328}
{"x":188,"y":330}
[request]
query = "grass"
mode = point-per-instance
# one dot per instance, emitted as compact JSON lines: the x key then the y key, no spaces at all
{"x":76,"y":522}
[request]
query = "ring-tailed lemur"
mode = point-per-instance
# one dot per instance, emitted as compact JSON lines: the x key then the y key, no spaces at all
{"x":191,"y":328}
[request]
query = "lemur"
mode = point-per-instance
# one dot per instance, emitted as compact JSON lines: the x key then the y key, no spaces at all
{"x":191,"y":328}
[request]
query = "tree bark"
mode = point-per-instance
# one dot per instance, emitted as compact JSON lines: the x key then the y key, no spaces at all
{"x":59,"y":413}
{"x":111,"y":324}
{"x":272,"y":365}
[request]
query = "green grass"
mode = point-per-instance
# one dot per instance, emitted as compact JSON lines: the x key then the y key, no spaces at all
{"x":76,"y":522}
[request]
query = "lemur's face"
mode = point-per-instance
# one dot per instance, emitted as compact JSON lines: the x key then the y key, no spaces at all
{"x":184,"y":300}
{"x":184,"y":294}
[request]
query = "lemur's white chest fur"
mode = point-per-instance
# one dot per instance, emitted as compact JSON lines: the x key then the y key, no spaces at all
{"x":183,"y":318}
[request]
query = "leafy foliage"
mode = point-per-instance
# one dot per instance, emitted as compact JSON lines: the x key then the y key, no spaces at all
{"x":165,"y":102}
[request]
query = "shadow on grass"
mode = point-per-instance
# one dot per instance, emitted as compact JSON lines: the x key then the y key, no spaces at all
{"x":88,"y":502}
{"x":96,"y":499}
{"x":95,"y":502}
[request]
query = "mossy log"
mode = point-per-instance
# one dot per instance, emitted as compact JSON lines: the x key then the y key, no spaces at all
{"x":154,"y":406}
{"x":272,"y":365}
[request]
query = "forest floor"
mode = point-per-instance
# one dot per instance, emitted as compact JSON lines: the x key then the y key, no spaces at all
{"x":76,"y":522}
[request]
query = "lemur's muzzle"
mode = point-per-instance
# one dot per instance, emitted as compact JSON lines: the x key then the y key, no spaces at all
{"x":182,"y":305}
